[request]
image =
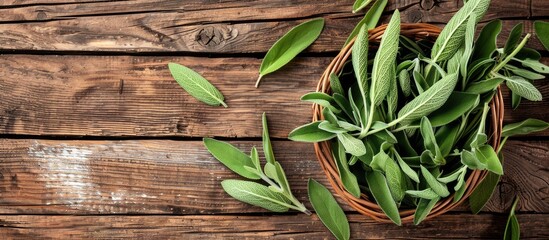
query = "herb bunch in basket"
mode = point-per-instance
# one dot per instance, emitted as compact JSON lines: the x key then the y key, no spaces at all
{"x":414,"y":123}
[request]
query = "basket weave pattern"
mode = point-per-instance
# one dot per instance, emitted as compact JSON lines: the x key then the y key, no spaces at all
{"x":323,"y":151}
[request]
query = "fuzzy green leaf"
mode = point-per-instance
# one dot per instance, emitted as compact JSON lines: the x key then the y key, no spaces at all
{"x":423,"y":209}
{"x":231,"y":157}
{"x":457,"y":104}
{"x":335,"y":84}
{"x":196,"y":85}
{"x":351,"y":144}
{"x":487,"y":40}
{"x":256,"y":194}
{"x":523,"y":88}
{"x":513,"y":39}
{"x":310,"y":133}
{"x":380,"y":190}
{"x":542,"y":32}
{"x":512,"y":228}
{"x":438,"y":187}
{"x":370,"y":19}
{"x":525,"y":127}
{"x":347,"y":177}
{"x":360,"y":4}
{"x":328,"y":210}
{"x":321,"y":99}
{"x":484,"y":86}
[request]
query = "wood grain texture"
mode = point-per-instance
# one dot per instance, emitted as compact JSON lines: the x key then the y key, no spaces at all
{"x":450,"y":226}
{"x":206,"y":26}
{"x":136,"y":96}
{"x":181,"y":177}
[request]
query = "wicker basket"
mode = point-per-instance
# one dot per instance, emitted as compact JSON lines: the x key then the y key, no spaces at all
{"x":367,"y":206}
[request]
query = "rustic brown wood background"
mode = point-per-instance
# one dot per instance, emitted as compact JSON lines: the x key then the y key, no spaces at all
{"x":98,"y":141}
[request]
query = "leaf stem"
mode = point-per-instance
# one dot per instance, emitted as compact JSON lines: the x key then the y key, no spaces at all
{"x":224,"y":104}
{"x":297,"y":205}
{"x":364,"y":131}
{"x":510,"y":56}
{"x":502,"y":143}
{"x":258,"y":80}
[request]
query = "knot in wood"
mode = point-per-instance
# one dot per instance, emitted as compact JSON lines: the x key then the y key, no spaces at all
{"x":41,"y":15}
{"x":209,"y":36}
{"x":427,"y":4}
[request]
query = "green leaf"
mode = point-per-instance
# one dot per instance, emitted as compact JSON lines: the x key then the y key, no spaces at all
{"x":423,"y":209}
{"x":196,"y":85}
{"x":428,"y":101}
{"x":343,"y":104}
{"x":457,"y":104}
{"x":405,"y":82}
{"x":360,"y":4}
{"x":347,"y":177}
{"x":380,"y":190}
{"x":429,"y":140}
{"x":347,"y":126}
{"x":411,"y":45}
{"x":330,"y":127}
{"x":488,"y":156}
{"x":267,"y":147}
{"x":523,"y":88}
{"x":542,"y":32}
{"x":256,"y":194}
{"x":360,"y":58}
{"x":487,"y":40}
{"x":335,"y":84}
{"x":321,"y":99}
{"x":527,"y":126}
{"x":438,"y":187}
{"x":351,"y":144}
{"x":484,"y":190}
{"x":535,"y":65}
{"x":412,"y":174}
{"x":468,"y":45}
{"x":254,"y":156}
{"x":484,"y":86}
{"x":513,"y":39}
{"x":329,"y":116}
{"x":471,"y":160}
{"x":451,"y":37}
{"x":384,"y":61}
{"x":291,"y":44}
{"x":395,"y":180}
{"x":328,"y":210}
{"x":452,"y":176}
{"x":515,"y":100}
{"x":530,"y":53}
{"x":524,"y":73}
{"x":231,"y":157}
{"x":425,"y":193}
{"x":370,"y":19}
{"x":512,"y":228}
{"x":446,"y":136}
{"x":310,"y":133}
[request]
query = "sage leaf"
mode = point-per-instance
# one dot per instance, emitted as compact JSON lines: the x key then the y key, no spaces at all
{"x":487,"y":40}
{"x":310,"y":133}
{"x":438,"y":187}
{"x":513,"y":39}
{"x":343,"y":104}
{"x":457,"y":105}
{"x":256,"y":194}
{"x":423,"y":209}
{"x":330,"y":127}
{"x":335,"y":84}
{"x":535,"y":65}
{"x":384,"y":61}
{"x":351,"y":144}
{"x":429,"y":140}
{"x":515,"y":100}
{"x":289,"y":45}
{"x":452,"y":176}
{"x":425,"y":193}
{"x":196,"y":85}
{"x":267,"y":147}
{"x":524,"y":73}
{"x":254,"y":156}
{"x":347,"y":126}
{"x":360,"y":4}
{"x":483,"y":192}
{"x":527,"y":126}
{"x":542,"y":32}
{"x":395,"y":180}
{"x":487,"y":155}
{"x":328,"y":210}
{"x":347,"y":177}
{"x":526,"y":53}
{"x":412,"y":174}
{"x":451,"y":37}
{"x":523,"y":88}
{"x":405,"y":83}
{"x":484,"y":86}
{"x":360,"y":59}
{"x":446,"y":136}
{"x":321,"y":99}
{"x":428,"y":101}
{"x":512,"y":228}
{"x":468,"y":45}
{"x":231,"y":157}
{"x":380,"y":190}
{"x":370,"y":19}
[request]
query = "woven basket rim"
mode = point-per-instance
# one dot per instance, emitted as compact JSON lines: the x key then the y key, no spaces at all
{"x":323,"y":151}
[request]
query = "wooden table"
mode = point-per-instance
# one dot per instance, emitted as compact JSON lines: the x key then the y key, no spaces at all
{"x":98,"y":141}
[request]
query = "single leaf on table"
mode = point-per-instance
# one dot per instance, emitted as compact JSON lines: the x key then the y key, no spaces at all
{"x":231,"y":157}
{"x":487,"y":40}
{"x":370,"y":19}
{"x":328,"y":210}
{"x":527,"y":126}
{"x":380,"y":190}
{"x":196,"y":85}
{"x":423,"y":209}
{"x":512,"y":228}
{"x":513,"y":39}
{"x":428,"y":101}
{"x":321,"y":99}
{"x":256,"y":194}
{"x":438,"y":187}
{"x":451,"y":37}
{"x":523,"y":88}
{"x":335,"y":84}
{"x":542,"y":31}
{"x":291,"y":44}
{"x":310,"y":133}
{"x":351,"y":144}
{"x":360,"y":4}
{"x":457,"y":104}
{"x":384,"y":61}
{"x":484,"y":86}
{"x":347,"y":177}
{"x":267,"y":147}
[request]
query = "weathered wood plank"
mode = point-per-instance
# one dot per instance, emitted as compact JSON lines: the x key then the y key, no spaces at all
{"x":205,"y":26}
{"x":136,"y":96}
{"x":181,"y":177}
{"x":452,"y":226}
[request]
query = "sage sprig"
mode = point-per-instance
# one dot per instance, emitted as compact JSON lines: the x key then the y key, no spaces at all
{"x":289,"y":45}
{"x":328,"y":210}
{"x":276,"y":196}
{"x":196,"y":85}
